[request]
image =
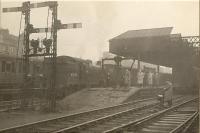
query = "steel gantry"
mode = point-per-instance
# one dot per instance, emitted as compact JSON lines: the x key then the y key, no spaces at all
{"x":50,"y":45}
{"x":194,"y":43}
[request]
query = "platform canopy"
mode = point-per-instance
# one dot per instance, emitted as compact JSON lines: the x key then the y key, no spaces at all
{"x":157,"y":46}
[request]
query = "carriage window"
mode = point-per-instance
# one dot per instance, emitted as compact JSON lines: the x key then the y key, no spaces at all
{"x":36,"y":69}
{"x":73,"y":75}
{"x":3,"y":66}
{"x":19,"y":67}
{"x":13,"y":67}
{"x":8,"y":67}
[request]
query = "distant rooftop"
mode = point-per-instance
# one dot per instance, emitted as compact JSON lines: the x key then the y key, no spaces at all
{"x":145,"y":33}
{"x":7,"y":38}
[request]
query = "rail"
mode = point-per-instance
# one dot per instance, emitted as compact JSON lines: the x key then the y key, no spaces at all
{"x":140,"y":122}
{"x":99,"y":112}
{"x":103,"y":123}
{"x":16,"y":104}
{"x":78,"y":121}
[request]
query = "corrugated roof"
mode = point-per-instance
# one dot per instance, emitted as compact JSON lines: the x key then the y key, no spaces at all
{"x":145,"y":33}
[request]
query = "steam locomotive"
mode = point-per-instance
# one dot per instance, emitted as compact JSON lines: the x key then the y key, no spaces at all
{"x":73,"y":74}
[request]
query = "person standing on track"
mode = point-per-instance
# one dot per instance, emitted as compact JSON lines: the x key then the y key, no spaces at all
{"x":108,"y":79}
{"x":168,"y":93}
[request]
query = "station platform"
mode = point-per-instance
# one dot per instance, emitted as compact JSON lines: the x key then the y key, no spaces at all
{"x":97,"y":98}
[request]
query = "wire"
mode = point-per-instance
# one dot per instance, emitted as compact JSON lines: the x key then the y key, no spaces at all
{"x":47,"y":22}
{"x":19,"y":36}
{"x":17,"y":52}
{"x":52,"y":26}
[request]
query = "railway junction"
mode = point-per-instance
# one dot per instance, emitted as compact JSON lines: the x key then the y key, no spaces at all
{"x":42,"y":92}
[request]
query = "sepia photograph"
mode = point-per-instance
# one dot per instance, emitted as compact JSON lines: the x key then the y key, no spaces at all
{"x":99,"y":66}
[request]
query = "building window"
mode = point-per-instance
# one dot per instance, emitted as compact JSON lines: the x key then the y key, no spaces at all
{"x":1,"y":38}
{"x":6,"y":49}
{"x":11,"y":50}
{"x":2,"y":48}
{"x":3,"y":66}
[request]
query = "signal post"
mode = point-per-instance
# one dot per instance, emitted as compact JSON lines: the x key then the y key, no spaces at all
{"x":32,"y":49}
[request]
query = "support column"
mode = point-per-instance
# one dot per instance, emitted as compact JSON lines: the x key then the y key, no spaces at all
{"x":158,"y":68}
{"x":138,"y":67}
{"x":158,"y":76}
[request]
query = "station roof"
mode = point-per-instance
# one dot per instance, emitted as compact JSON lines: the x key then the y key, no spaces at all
{"x":145,"y":33}
{"x":155,"y":46}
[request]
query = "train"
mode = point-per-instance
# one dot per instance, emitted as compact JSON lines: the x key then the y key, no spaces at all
{"x":72,"y":74}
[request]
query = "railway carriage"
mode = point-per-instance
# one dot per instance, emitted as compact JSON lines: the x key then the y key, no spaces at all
{"x":11,"y":74}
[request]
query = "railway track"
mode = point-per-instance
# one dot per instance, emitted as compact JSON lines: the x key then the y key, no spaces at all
{"x":16,"y":104}
{"x":114,"y":120}
{"x":76,"y":119}
{"x":9,"y":105}
{"x":86,"y":121}
{"x":176,"y":119}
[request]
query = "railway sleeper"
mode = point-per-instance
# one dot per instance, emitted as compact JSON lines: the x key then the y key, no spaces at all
{"x":172,"y":123}
{"x":146,"y":130}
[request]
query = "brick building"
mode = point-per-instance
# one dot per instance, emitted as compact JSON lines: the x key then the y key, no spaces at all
{"x":9,"y":44}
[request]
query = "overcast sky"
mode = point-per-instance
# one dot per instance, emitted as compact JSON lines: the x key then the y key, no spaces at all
{"x":104,"y":20}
